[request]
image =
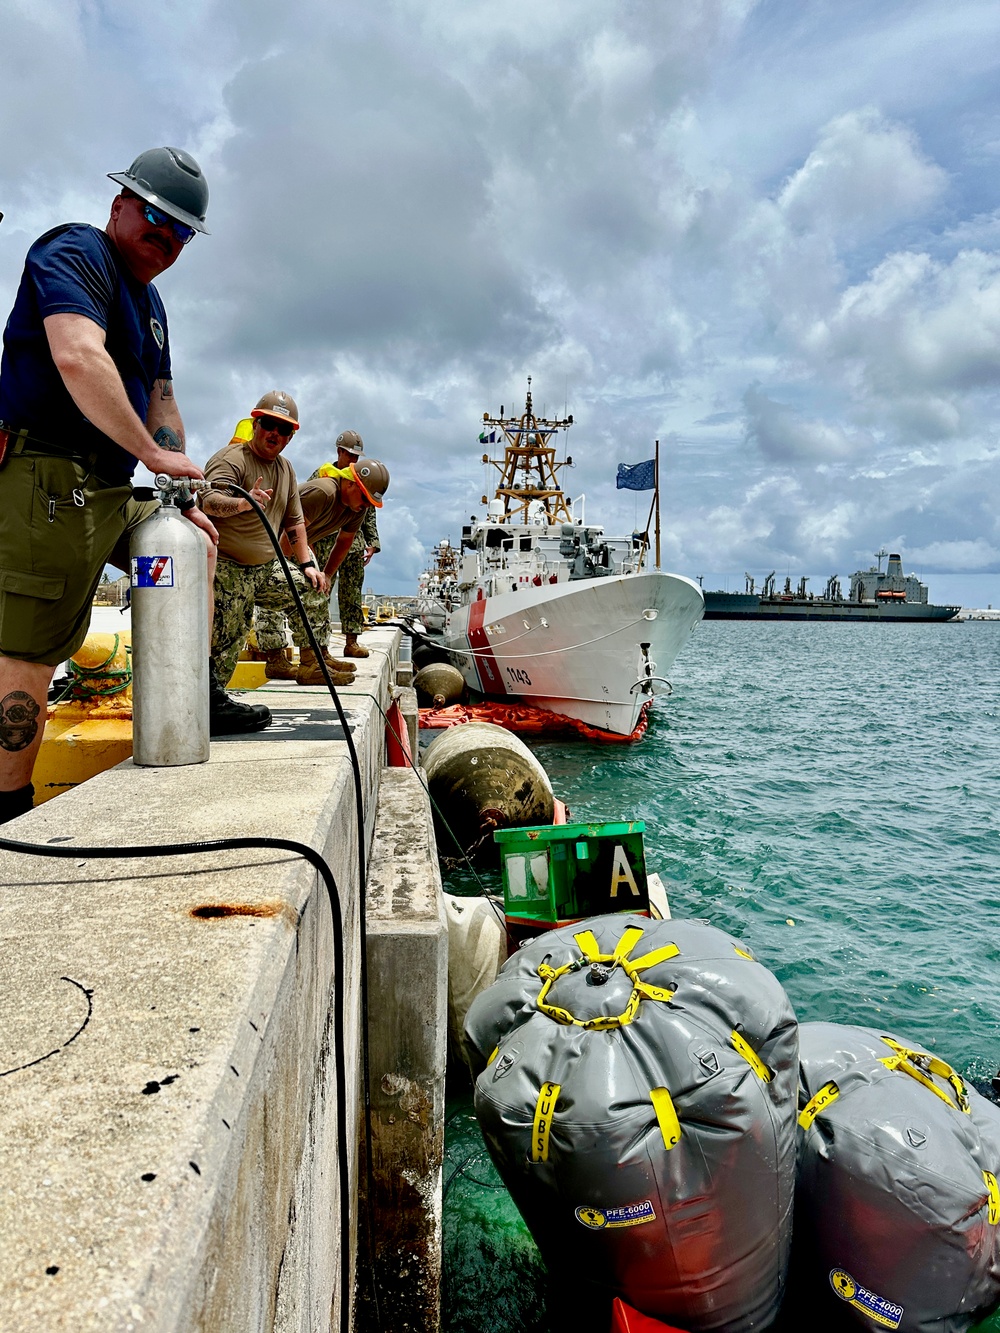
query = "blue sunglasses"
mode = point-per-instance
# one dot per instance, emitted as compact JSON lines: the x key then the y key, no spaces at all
{"x":157,"y":218}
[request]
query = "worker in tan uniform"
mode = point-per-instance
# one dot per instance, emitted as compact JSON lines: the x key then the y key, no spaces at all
{"x":247,"y":563}
{"x":334,"y":508}
{"x":351,"y":575}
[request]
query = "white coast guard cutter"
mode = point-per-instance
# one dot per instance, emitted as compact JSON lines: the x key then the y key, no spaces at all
{"x":546,"y":610}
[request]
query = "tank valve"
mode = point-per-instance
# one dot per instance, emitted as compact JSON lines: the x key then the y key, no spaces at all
{"x":599,"y":974}
{"x":178,"y":490}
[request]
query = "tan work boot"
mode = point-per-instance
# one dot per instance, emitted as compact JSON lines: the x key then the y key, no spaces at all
{"x":277,"y":665}
{"x":310,"y":672}
{"x":338,"y":663}
{"x":352,"y":648}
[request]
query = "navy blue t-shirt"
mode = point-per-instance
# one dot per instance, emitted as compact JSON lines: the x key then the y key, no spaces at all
{"x":77,"y":269}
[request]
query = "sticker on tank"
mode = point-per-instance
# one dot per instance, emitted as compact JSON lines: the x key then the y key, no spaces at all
{"x":152,"y":571}
{"x":883,"y":1312}
{"x":628,"y":1215}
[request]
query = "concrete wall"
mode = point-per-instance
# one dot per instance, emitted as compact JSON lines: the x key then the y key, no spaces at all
{"x":407,"y":942}
{"x":168,"y":1152}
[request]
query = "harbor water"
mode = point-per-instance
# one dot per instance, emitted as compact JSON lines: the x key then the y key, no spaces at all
{"x":829,"y":794}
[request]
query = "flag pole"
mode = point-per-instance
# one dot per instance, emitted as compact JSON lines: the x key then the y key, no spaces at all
{"x":645,"y":536}
{"x":656,"y":478}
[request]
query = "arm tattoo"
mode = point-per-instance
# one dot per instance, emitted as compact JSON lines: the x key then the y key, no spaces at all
{"x":167,"y":438}
{"x":166,"y":388}
{"x":222,"y":506}
{"x":18,"y":720}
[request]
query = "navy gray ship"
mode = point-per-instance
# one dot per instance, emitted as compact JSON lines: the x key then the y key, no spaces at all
{"x":888,"y":595}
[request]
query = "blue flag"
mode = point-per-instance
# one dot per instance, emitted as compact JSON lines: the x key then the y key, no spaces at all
{"x":637,"y":476}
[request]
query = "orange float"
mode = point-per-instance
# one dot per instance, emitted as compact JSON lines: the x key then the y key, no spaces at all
{"x":626,"y":1320}
{"x":397,"y":738}
{"x":525,"y":720}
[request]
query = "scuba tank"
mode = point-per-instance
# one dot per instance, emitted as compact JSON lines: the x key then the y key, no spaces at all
{"x":170,"y":639}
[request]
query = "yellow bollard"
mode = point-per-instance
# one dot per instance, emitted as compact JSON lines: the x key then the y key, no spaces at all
{"x":90,"y":730}
{"x":102,"y":675}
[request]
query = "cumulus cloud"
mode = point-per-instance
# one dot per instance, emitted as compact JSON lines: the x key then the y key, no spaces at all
{"x":648,"y":208}
{"x":784,"y":435}
{"x":864,"y":174}
{"x":915,"y":322}
{"x":949,"y":556}
{"x":377,"y":238}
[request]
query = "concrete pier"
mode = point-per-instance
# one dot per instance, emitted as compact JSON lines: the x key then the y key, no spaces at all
{"x":407,"y":940}
{"x":168,"y":1153}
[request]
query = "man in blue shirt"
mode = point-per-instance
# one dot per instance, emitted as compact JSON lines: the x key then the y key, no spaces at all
{"x":85,"y":394}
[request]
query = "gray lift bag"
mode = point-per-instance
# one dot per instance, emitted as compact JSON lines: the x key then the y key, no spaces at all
{"x":898,"y":1206}
{"x":636,"y":1089}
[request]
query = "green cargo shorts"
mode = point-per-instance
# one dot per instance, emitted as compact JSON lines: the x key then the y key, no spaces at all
{"x":59,"y":526}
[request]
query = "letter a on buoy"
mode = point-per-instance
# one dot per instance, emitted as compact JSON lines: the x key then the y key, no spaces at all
{"x":621,"y":873}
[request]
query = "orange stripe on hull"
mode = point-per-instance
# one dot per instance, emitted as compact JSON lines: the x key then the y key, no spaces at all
{"x":526,"y":720}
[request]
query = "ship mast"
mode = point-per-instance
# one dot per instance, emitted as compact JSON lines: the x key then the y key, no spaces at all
{"x":528,"y":468}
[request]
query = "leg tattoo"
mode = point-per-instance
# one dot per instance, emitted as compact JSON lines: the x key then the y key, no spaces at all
{"x":18,"y":720}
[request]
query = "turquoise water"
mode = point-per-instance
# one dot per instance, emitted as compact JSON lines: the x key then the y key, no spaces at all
{"x":829,"y":794}
{"x":842,"y":777}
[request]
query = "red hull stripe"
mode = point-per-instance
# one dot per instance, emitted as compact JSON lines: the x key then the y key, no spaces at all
{"x":526,"y":720}
{"x":490,"y":680}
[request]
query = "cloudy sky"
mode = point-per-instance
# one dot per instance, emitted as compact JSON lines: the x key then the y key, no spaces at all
{"x":764,"y":233}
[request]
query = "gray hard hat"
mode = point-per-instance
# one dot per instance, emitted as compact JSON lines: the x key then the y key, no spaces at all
{"x":172,"y":180}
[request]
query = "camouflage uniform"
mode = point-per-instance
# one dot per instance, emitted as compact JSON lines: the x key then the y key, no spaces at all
{"x":237,"y":587}
{"x":276,"y":606}
{"x":351,"y":576}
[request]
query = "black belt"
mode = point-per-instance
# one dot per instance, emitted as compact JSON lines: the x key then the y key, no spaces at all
{"x":18,"y":441}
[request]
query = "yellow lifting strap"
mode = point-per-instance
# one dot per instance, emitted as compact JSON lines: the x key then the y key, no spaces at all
{"x":591,"y":951}
{"x":657,"y":956}
{"x":592,"y":954}
{"x":744,"y":953}
{"x":826,"y":1096}
{"x":750,"y":1056}
{"x":666,"y":1117}
{"x":993,"y":1191}
{"x":651,"y":992}
{"x":919,"y":1065}
{"x":624,"y":946}
{"x":542,"y":1125}
{"x":589,"y":947}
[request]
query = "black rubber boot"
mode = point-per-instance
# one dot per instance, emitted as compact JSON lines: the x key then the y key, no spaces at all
{"x":227,"y":717}
{"x":14,"y":803}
